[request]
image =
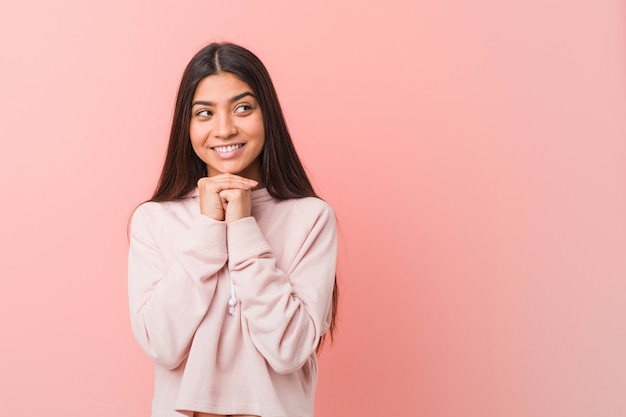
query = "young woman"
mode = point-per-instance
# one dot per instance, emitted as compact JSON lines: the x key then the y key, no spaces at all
{"x":232,"y":262}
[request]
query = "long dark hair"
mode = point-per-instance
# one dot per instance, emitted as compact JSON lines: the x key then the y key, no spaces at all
{"x":282,"y":172}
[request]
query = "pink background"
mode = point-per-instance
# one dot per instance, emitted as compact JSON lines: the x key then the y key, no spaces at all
{"x":474,"y":152}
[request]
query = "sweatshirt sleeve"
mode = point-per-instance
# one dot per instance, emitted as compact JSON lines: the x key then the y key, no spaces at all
{"x":168,"y":302}
{"x":286,"y":311}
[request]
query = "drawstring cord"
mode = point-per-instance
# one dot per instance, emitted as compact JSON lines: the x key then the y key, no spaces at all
{"x":233,"y":296}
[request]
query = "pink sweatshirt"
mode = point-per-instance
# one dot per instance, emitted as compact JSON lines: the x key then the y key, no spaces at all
{"x":183,"y":268}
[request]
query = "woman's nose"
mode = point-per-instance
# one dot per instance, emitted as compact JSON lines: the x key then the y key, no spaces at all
{"x":225,"y":126}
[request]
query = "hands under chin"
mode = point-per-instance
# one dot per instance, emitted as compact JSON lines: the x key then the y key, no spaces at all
{"x":226,"y":197}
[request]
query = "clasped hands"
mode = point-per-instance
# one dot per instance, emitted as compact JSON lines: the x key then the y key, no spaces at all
{"x":226,"y":197}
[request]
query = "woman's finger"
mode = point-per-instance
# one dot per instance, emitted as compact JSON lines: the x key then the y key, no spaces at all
{"x":218,"y":184}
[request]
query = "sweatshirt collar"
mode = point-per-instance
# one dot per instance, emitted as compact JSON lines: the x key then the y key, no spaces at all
{"x":257,"y":195}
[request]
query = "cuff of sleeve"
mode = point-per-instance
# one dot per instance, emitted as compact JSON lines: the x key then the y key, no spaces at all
{"x":245,"y":240}
{"x":207,"y":238}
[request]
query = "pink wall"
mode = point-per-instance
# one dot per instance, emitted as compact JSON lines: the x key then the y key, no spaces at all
{"x":474,"y":151}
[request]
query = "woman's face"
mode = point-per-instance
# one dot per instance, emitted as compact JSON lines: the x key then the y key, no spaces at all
{"x":226,"y":127}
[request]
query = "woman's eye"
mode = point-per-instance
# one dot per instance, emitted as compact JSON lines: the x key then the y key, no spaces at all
{"x":203,"y":113}
{"x":242,"y":108}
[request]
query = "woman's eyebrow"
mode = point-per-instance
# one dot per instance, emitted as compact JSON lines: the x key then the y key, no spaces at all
{"x":242,"y":95}
{"x":232,"y":100}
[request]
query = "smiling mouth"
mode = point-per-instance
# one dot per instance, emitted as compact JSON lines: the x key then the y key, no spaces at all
{"x":228,"y":148}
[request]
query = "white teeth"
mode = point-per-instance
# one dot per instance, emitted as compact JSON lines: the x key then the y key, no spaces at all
{"x":228,"y":148}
